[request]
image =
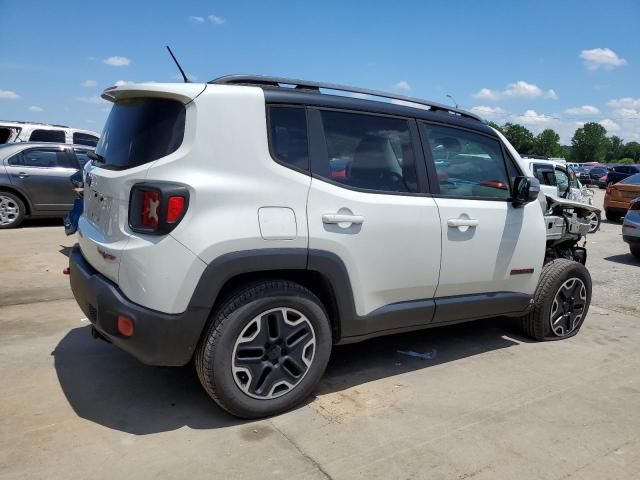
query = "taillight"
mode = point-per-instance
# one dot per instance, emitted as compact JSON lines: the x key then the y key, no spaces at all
{"x":157,"y":208}
{"x":175,"y":208}
{"x":609,"y":190}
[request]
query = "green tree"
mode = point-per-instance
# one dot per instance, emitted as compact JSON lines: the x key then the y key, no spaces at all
{"x":614,"y":151}
{"x":590,"y":143}
{"x":547,"y":143}
{"x":626,"y":161}
{"x":632,"y":150}
{"x":566,"y":152}
{"x":519,"y":136}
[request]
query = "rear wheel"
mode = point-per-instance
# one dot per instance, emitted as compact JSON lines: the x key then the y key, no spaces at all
{"x":635,"y":251}
{"x":12,"y":210}
{"x":265,"y":350}
{"x":561,"y":301}
{"x":612,"y":216}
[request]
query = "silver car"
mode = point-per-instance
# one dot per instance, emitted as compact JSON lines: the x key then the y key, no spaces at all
{"x":34,"y":180}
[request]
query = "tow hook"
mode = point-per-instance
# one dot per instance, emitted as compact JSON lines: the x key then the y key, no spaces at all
{"x":96,"y":334}
{"x":66,"y":271}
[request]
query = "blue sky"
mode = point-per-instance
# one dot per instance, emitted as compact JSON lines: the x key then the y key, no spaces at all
{"x":544,"y":64}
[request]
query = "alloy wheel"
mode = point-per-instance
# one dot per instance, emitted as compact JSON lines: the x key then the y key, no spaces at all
{"x":9,"y":210}
{"x":593,"y":222}
{"x":273,"y":353}
{"x":568,"y":307}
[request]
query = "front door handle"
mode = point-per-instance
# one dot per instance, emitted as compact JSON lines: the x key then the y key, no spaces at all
{"x":462,"y":222}
{"x":342,"y":218}
{"x":23,"y":174}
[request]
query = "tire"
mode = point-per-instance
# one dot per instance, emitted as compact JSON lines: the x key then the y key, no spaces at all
{"x":557,"y":275}
{"x":612,"y":216}
{"x":239,"y":333}
{"x":12,"y":210}
{"x":594,"y":222}
{"x":635,"y":251}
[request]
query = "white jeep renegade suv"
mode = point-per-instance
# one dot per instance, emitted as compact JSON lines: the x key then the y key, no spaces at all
{"x":252,"y":223}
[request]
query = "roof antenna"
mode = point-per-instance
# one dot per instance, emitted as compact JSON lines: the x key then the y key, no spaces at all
{"x":186,"y":80}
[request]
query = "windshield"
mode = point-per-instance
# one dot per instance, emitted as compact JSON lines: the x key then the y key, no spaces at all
{"x":141,"y":130}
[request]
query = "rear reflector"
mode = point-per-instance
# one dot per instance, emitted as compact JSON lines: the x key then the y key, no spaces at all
{"x":125,"y":326}
{"x":175,"y":208}
{"x":150,"y":207}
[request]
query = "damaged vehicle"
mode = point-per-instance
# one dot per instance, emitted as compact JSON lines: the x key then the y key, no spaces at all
{"x":250,"y":224}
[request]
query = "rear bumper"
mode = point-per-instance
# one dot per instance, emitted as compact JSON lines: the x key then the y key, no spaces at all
{"x":158,"y":339}
{"x":631,"y":239}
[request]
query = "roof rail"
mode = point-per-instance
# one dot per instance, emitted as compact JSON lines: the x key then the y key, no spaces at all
{"x":262,"y":81}
{"x":35,"y":123}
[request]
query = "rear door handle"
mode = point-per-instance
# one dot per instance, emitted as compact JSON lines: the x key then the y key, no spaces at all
{"x":23,"y":174}
{"x":462,"y":222}
{"x":342,"y":218}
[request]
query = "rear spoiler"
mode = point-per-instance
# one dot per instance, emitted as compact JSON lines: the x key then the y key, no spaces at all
{"x":184,"y":92}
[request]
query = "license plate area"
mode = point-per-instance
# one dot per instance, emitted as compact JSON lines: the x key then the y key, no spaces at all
{"x":97,"y":208}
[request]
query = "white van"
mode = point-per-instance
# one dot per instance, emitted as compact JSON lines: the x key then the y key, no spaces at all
{"x":11,"y":132}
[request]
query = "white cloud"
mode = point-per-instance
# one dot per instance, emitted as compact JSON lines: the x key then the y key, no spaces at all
{"x":604,"y":58}
{"x":402,"y":85}
{"x":116,"y":61}
{"x":216,"y":20}
{"x":627,"y":112}
{"x":89,"y":83}
{"x":35,"y":108}
{"x":610,"y":125}
{"x":519,"y":89}
{"x":583,"y":110}
{"x":487,"y":94}
{"x":91,"y":100}
{"x":626,"y":102}
{"x":120,"y":83}
{"x":486,"y":111}
{"x":196,"y":19}
{"x":531,"y":117}
{"x":8,"y":95}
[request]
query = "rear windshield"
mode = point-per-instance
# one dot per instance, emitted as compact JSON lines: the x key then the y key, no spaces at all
{"x":632,"y":180}
{"x":141,"y":130}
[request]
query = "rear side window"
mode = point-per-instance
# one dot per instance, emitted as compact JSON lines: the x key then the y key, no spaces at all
{"x":369,"y":152}
{"x":544,"y":174}
{"x":141,"y":130}
{"x":288,"y":136}
{"x":43,"y":158}
{"x":467,"y":164}
{"x":42,"y":135}
{"x":85,"y":139}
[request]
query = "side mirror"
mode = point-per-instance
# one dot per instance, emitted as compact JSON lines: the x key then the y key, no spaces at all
{"x":525,"y":190}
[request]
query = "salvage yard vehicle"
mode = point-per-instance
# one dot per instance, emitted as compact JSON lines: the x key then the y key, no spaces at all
{"x":631,"y":227}
{"x":251,"y":223}
{"x":11,"y":132}
{"x":618,"y":197}
{"x":34,"y":180}
{"x":556,"y":179}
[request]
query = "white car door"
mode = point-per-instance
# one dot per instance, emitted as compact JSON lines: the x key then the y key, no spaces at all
{"x":492,"y":252}
{"x":365,"y":207}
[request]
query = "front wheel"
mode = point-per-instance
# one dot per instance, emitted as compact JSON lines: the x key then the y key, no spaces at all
{"x":265,"y":350}
{"x":561,"y":301}
{"x":594,"y":222}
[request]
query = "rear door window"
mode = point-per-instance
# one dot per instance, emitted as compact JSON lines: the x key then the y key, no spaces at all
{"x":141,"y":130}
{"x":369,"y":152}
{"x":80,"y":138}
{"x":81,"y":156}
{"x":42,"y":135}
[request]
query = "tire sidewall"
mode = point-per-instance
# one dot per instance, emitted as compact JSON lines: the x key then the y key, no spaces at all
{"x":21,"y":210}
{"x":576,"y":270}
{"x":226,"y":388}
